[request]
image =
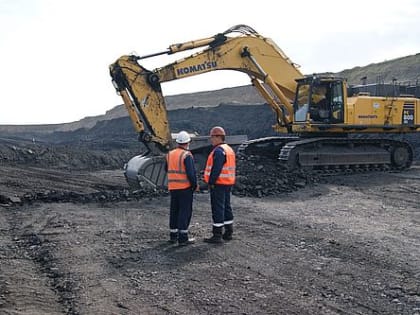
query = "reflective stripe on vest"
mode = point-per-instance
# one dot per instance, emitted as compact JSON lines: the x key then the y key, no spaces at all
{"x":177,"y":175}
{"x":227,"y":175}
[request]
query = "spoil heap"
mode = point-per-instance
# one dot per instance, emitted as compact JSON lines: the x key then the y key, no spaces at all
{"x":259,"y":176}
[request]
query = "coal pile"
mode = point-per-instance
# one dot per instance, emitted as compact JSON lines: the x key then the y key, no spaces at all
{"x":259,"y":176}
{"x":70,"y":157}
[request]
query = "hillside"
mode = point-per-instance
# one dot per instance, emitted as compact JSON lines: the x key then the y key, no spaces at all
{"x":404,"y":69}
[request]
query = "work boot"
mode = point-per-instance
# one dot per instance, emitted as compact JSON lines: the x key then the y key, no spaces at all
{"x":217,"y":236}
{"x":173,"y":237}
{"x":183,"y":239}
{"x":189,"y":241}
{"x":227,"y":236}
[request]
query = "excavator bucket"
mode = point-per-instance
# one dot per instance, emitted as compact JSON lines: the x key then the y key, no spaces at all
{"x":149,"y":170}
{"x":145,"y":171}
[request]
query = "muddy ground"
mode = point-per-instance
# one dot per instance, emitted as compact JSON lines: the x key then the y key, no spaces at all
{"x":79,"y":242}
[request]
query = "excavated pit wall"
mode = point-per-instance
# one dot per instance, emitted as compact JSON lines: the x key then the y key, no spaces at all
{"x":111,"y":143}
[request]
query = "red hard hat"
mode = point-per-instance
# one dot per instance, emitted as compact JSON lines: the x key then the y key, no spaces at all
{"x":217,"y":131}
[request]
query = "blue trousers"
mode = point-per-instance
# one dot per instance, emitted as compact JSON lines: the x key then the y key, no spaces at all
{"x":180,"y":211}
{"x":220,"y":205}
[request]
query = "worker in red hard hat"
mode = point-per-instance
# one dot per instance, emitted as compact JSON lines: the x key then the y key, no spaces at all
{"x":219,"y":174}
{"x":182,"y":182}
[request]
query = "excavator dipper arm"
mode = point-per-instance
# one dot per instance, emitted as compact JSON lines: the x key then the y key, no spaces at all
{"x":144,"y":102}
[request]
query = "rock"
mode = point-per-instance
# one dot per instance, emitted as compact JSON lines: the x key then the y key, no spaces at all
{"x":15,"y":199}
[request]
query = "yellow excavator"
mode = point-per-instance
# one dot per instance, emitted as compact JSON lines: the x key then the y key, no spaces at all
{"x":316,"y":117}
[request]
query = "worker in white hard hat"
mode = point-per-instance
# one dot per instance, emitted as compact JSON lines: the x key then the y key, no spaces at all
{"x":182,"y":182}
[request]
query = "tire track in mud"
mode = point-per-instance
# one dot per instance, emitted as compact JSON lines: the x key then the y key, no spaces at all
{"x":62,"y":283}
{"x":6,"y":252}
{"x":37,"y":249}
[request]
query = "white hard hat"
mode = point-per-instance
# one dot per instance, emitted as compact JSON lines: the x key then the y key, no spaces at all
{"x":183,"y":137}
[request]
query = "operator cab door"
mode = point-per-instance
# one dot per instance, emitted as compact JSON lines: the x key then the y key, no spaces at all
{"x":337,"y":102}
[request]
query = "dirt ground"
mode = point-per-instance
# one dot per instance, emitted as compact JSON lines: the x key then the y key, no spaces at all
{"x":339,"y":246}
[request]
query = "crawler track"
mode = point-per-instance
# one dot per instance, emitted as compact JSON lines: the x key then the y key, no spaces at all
{"x":333,"y":155}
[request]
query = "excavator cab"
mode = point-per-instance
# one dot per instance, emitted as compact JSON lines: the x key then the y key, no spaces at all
{"x":319,"y":100}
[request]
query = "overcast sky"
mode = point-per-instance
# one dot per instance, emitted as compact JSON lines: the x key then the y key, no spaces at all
{"x":54,"y":54}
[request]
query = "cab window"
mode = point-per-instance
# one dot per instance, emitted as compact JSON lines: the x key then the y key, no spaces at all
{"x":337,"y":105}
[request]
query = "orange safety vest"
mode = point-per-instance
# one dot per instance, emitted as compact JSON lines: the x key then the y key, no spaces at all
{"x":227,"y":175}
{"x":177,"y":175}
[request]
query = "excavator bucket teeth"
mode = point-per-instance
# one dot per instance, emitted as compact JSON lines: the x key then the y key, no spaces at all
{"x":144,"y":171}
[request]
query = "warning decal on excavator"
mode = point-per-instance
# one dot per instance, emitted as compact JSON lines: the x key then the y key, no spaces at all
{"x":367,"y":116}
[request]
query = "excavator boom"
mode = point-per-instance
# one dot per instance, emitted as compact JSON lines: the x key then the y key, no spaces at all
{"x":249,"y":53}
